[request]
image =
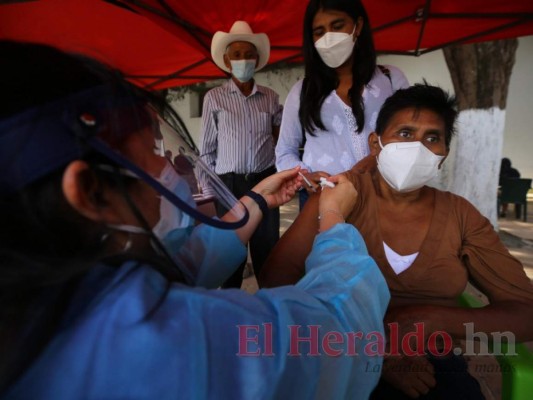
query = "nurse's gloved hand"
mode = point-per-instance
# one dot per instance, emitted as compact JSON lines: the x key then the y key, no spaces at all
{"x":279,"y":188}
{"x":336,"y":203}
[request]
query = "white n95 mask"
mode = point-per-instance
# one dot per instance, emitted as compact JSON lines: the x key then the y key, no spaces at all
{"x":335,"y":48}
{"x":243,"y":70}
{"x":407,"y":166}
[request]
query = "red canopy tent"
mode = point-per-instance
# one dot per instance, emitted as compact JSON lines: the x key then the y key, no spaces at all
{"x":165,"y":43}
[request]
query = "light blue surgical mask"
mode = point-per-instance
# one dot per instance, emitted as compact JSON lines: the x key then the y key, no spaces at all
{"x":174,"y":226}
{"x":243,"y":70}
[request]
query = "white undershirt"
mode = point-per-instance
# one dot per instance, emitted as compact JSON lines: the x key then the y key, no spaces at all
{"x":398,"y":262}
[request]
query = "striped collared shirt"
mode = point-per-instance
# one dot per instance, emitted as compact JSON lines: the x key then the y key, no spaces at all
{"x":237,"y":130}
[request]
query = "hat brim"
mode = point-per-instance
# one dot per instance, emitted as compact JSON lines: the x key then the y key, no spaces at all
{"x":221,"y":40}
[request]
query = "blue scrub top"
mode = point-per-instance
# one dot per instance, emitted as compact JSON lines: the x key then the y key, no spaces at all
{"x":130,"y":334}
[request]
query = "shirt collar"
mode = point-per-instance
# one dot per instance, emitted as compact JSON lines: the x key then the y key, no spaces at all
{"x":232,"y":87}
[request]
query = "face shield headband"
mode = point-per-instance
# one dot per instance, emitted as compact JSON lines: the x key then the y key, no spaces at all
{"x":39,"y":141}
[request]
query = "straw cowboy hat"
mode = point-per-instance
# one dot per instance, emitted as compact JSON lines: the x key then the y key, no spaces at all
{"x":239,"y":32}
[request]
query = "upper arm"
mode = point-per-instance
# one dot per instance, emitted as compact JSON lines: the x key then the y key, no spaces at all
{"x":291,"y":132}
{"x":208,"y":140}
{"x":490,"y":265}
{"x":275,"y":133}
{"x":286,"y":262}
{"x":277,"y":112}
{"x":398,"y":78}
{"x":204,"y":257}
{"x":209,"y":122}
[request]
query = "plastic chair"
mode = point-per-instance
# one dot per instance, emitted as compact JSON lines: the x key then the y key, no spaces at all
{"x":517,"y":370}
{"x":514,"y":190}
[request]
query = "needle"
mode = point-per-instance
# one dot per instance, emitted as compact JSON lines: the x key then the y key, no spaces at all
{"x":307,"y":182}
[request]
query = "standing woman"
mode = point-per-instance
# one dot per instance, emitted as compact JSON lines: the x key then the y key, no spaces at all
{"x":331,"y":112}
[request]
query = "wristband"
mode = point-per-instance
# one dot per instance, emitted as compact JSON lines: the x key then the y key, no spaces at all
{"x":260,"y":200}
{"x":337,"y":213}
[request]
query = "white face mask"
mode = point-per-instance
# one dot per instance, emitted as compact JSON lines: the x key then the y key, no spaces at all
{"x":335,"y":48}
{"x":407,"y":166}
{"x":243,"y":70}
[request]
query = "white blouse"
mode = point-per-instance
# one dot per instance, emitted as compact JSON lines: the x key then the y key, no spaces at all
{"x":339,"y":147}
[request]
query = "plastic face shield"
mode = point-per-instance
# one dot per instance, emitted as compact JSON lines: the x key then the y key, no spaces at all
{"x":217,"y":205}
{"x":42,"y":140}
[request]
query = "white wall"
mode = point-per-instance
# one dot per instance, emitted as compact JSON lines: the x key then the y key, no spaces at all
{"x":518,"y":137}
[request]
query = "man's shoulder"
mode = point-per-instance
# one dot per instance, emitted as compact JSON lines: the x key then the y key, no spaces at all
{"x":223,"y":87}
{"x":218,"y":89}
{"x":266,"y":90}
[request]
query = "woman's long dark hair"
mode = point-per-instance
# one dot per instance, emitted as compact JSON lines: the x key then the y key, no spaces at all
{"x":320,"y":79}
{"x":45,"y":245}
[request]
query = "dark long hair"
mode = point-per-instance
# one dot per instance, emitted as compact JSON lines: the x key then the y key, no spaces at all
{"x":320,"y":79}
{"x":46,"y":246}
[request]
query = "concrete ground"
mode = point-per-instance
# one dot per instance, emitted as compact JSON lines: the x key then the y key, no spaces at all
{"x":518,"y":238}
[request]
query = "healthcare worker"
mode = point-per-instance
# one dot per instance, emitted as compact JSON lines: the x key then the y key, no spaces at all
{"x":105,"y":259}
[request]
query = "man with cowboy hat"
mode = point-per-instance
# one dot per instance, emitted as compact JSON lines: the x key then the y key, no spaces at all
{"x":240,"y":124}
